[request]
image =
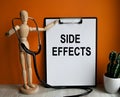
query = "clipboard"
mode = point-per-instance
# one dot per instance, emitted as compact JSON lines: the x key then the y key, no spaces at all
{"x":71,"y":52}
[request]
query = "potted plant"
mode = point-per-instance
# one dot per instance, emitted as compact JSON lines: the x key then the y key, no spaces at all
{"x":112,"y":76}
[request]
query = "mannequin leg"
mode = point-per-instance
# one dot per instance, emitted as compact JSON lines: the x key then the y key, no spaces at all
{"x":28,"y":60}
{"x":22,"y":61}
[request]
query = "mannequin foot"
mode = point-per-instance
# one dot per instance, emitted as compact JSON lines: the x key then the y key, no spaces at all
{"x":31,"y":85}
{"x":30,"y":90}
{"x":26,"y":86}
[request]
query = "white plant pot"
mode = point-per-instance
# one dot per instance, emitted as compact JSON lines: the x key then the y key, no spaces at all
{"x":111,"y":85}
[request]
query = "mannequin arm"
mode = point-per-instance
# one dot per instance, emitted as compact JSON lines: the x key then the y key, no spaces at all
{"x":34,"y":29}
{"x":45,"y":28}
{"x":12,"y":31}
{"x":50,"y":25}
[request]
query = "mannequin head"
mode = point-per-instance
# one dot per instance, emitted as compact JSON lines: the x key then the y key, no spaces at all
{"x":24,"y":16}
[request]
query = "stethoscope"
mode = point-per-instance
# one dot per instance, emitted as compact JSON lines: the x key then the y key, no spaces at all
{"x":34,"y":53}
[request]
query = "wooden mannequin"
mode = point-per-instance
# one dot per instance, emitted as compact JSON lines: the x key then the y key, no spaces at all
{"x":23,"y":31}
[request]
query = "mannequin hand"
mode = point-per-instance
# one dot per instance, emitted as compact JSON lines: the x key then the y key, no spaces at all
{"x":56,"y":21}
